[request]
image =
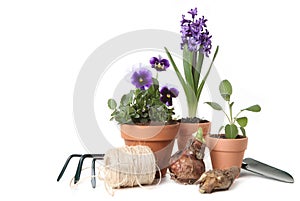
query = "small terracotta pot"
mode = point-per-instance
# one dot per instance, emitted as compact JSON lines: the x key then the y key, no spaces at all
{"x":186,"y":131}
{"x":160,"y":139}
{"x":225,"y":153}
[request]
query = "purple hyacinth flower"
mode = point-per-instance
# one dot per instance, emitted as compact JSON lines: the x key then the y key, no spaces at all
{"x":142,"y":78}
{"x":202,"y":21}
{"x":183,"y":21}
{"x":205,"y":39}
{"x":193,"y":45}
{"x":194,"y":34}
{"x":159,"y":63}
{"x":193,"y":12}
{"x":167,"y":95}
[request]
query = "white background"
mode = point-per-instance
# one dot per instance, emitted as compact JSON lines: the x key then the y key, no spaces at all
{"x":43,"y":45}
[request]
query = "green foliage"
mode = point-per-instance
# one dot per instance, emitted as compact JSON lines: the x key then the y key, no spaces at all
{"x":214,"y":105}
{"x":112,"y":104}
{"x":253,"y":108}
{"x":141,"y":106}
{"x":243,"y":131}
{"x":188,"y":67}
{"x":231,"y":129}
{"x":199,"y":135}
{"x":225,"y":89}
{"x":242,"y":121}
{"x":220,"y":129}
{"x":191,"y":82}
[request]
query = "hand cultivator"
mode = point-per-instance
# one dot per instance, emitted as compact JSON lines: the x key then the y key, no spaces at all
{"x":79,"y":166}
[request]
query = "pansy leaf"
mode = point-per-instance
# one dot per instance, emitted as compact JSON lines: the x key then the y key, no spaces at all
{"x":126,"y":99}
{"x":131,"y":110}
{"x":112,"y":104}
{"x":155,"y":83}
{"x":144,"y":115}
{"x":115,"y":112}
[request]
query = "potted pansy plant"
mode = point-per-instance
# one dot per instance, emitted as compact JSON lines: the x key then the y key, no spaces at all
{"x":196,"y":46}
{"x":145,"y":114}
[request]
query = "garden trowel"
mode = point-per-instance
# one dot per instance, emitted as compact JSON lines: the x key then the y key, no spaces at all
{"x":266,"y":170}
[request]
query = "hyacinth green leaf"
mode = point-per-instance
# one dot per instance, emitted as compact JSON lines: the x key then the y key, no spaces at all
{"x":181,"y":79}
{"x":231,"y":131}
{"x":225,"y":89}
{"x":242,"y":121}
{"x":112,"y":104}
{"x":187,"y":64}
{"x":214,"y":105}
{"x":190,"y":94}
{"x":198,"y":68}
{"x":253,"y":108}
{"x":200,"y":88}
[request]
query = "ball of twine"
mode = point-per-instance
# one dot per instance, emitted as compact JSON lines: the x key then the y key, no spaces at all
{"x":128,"y":166}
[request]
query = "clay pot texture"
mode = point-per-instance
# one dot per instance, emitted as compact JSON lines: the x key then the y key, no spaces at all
{"x":160,"y":139}
{"x":186,"y":131}
{"x":225,"y":153}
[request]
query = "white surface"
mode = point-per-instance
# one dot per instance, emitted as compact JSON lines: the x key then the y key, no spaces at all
{"x":44,"y":44}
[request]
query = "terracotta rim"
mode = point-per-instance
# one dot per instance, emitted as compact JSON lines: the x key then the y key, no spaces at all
{"x":193,"y":127}
{"x":144,"y":133}
{"x":208,"y":122}
{"x":228,"y":145}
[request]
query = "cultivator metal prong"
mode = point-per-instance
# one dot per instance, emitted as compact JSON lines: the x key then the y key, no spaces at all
{"x":79,"y":167}
{"x":66,"y":164}
{"x":93,"y":173}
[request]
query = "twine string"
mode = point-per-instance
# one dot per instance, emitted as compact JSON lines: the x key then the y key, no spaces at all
{"x":127,"y":166}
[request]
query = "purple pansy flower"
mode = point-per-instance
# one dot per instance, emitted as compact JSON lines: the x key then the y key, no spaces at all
{"x":159,"y":63}
{"x":195,"y":34}
{"x":167,"y":95}
{"x":142,"y":78}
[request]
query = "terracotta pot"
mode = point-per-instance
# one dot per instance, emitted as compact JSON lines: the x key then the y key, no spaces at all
{"x":225,"y":153}
{"x":160,"y":139}
{"x":186,"y":131}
